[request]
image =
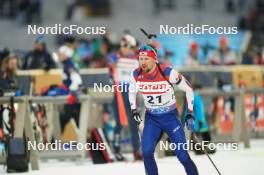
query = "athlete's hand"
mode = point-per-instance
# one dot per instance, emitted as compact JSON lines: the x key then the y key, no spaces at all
{"x":190,"y":122}
{"x":136,"y":116}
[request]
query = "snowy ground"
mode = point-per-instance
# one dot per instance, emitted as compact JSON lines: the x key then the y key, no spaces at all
{"x":242,"y":162}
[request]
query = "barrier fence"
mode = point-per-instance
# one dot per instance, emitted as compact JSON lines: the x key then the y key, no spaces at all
{"x":239,"y":129}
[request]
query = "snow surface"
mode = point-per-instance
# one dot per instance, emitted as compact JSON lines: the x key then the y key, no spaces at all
{"x":241,"y":162}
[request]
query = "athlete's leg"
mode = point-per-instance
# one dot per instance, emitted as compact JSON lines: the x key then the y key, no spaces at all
{"x":173,"y":127}
{"x":151,"y":134}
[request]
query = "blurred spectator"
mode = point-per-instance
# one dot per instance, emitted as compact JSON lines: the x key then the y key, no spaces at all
{"x":83,"y":54}
{"x":201,"y":127}
{"x":29,"y":11}
{"x":71,"y":77}
{"x":8,"y":74}
{"x":89,"y":53}
{"x":192,"y":58}
{"x":259,"y":59}
{"x":71,"y":5}
{"x":39,"y":57}
{"x":3,"y":53}
{"x":254,"y":56}
{"x":72,"y":43}
{"x":158,"y":4}
{"x":224,"y":55}
{"x":230,"y":6}
{"x":35,"y":11}
{"x":248,"y":58}
{"x":101,"y":47}
{"x":7,"y":8}
{"x":23,"y":11}
{"x":254,"y":21}
{"x":99,"y":7}
{"x":72,"y":80}
{"x":122,"y":64}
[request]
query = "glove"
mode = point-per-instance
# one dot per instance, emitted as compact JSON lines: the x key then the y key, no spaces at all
{"x":136,"y":116}
{"x":189,"y":119}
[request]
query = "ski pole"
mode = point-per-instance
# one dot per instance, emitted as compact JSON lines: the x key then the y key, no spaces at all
{"x":204,"y":150}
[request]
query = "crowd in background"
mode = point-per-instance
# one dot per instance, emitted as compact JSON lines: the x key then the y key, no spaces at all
{"x":31,"y":11}
{"x":27,"y":10}
{"x":94,"y":53}
{"x":22,"y":11}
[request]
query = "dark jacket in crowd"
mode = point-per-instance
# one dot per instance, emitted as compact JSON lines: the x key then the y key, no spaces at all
{"x":38,"y":60}
{"x":8,"y":83}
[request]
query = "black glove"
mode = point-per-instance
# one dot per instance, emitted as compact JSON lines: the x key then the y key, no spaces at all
{"x":136,"y":116}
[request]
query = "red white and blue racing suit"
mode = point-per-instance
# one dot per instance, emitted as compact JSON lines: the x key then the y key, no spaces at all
{"x":161,"y":113}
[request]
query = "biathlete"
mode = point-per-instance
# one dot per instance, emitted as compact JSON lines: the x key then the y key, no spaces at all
{"x":154,"y":81}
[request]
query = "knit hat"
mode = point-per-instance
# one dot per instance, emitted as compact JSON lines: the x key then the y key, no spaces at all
{"x":148,"y":51}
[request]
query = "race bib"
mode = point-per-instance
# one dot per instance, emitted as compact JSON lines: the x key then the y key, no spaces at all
{"x":157,"y":95}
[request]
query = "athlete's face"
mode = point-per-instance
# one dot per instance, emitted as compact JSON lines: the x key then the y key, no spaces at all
{"x":147,"y":63}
